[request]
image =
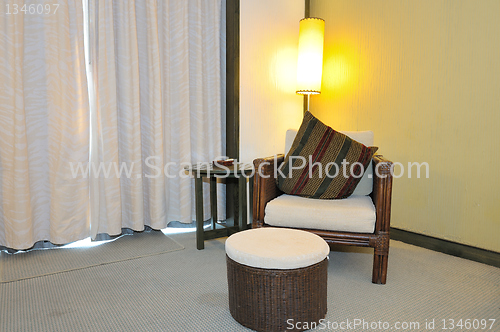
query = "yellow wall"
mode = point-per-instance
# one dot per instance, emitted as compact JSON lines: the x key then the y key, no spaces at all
{"x":269,"y":32}
{"x":425,"y":77}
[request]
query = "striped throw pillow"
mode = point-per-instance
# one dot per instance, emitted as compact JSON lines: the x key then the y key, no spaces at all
{"x":323,"y":163}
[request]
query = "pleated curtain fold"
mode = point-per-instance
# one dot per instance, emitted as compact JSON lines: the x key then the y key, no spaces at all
{"x":156,"y":105}
{"x":44,"y":125}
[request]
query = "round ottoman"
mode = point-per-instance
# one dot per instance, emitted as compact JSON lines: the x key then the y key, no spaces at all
{"x":277,"y":278}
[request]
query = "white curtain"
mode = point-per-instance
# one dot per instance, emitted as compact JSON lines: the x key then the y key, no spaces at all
{"x":156,"y":66}
{"x":44,"y":125}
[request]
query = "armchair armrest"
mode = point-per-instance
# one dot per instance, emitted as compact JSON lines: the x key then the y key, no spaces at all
{"x":382,"y":192}
{"x":264,"y":187}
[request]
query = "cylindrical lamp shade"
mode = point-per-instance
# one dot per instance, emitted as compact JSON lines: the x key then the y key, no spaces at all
{"x":310,"y":60}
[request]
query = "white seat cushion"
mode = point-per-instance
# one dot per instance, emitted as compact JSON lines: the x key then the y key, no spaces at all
{"x":276,"y":248}
{"x":352,"y":214}
{"x":365,"y":185}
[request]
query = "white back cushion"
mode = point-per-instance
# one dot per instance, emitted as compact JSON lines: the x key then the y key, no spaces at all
{"x":290,"y":136}
{"x":365,"y":186}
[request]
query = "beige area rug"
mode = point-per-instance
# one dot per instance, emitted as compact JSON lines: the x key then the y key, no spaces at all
{"x":37,"y":263}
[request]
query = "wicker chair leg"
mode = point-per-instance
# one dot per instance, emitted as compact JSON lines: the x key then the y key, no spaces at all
{"x":379,"y":269}
{"x":380,"y":258}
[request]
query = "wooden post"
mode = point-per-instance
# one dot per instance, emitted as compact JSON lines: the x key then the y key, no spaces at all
{"x":213,"y":200}
{"x":242,"y":197}
{"x":198,"y":189}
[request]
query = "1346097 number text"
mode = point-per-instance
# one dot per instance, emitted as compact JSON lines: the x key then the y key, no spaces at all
{"x":31,"y":9}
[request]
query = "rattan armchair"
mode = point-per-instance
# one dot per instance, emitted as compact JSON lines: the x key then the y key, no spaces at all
{"x":265,"y":190}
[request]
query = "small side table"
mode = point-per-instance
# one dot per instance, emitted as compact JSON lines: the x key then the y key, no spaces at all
{"x":240,"y":172}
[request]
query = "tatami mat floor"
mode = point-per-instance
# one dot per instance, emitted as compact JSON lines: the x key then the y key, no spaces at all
{"x":186,"y":290}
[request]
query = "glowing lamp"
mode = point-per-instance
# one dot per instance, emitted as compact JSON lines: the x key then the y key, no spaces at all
{"x":310,"y":59}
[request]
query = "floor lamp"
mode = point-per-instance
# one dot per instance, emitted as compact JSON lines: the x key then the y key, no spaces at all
{"x":310,"y":59}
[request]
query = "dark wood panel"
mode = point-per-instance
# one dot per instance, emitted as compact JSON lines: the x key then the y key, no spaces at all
{"x":232,"y":77}
{"x":447,"y":247}
{"x":232,"y":99}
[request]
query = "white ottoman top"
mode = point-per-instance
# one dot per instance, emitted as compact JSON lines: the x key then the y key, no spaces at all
{"x":276,"y":248}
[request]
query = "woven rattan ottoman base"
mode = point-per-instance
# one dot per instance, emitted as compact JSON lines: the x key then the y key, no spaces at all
{"x":275,"y":299}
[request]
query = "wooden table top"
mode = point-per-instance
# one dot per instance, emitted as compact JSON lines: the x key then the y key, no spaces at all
{"x":205,"y":169}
